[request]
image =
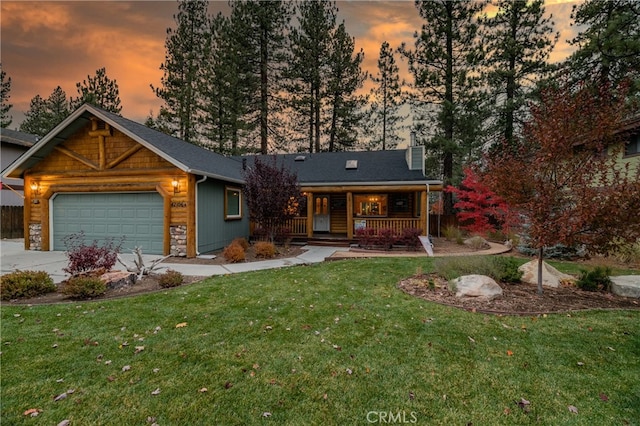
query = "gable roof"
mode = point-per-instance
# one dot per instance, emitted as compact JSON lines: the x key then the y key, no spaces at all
{"x":185,"y":156}
{"x":369,"y":168}
{"x":14,"y":137}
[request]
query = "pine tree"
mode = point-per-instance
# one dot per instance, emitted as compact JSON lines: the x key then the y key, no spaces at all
{"x":45,"y":114}
{"x":100,"y":91}
{"x":444,"y":65}
{"x":5,"y":106}
{"x":387,"y":99}
{"x":518,"y":40}
{"x":609,"y":44}
{"x":184,"y":58}
{"x":310,"y":48}
{"x":344,"y":79}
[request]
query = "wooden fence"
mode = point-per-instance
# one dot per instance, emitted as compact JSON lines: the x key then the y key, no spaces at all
{"x":12,"y":222}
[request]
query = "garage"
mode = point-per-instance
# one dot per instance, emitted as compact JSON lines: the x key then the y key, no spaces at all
{"x":138,"y":216}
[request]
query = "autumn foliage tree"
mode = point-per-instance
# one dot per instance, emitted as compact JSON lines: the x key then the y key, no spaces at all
{"x":272,"y":194}
{"x":479,"y":209}
{"x":563,"y":175}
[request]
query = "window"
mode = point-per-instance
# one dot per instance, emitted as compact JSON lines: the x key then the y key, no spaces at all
{"x":632,"y":147}
{"x":370,"y":205}
{"x":232,"y":203}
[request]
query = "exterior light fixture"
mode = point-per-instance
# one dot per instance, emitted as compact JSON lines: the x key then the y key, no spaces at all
{"x":35,"y":191}
{"x":176,"y":186}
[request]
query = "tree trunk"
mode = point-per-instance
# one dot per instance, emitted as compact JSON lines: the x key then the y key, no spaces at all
{"x":540,"y":258}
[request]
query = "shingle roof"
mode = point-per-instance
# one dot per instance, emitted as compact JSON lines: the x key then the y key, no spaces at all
{"x":15,"y":137}
{"x":327,"y":168}
{"x":331,"y":167}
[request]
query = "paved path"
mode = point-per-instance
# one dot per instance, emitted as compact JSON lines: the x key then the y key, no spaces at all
{"x":13,"y":257}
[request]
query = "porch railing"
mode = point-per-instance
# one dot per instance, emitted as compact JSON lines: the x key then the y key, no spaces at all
{"x":297,"y":226}
{"x":397,"y":225}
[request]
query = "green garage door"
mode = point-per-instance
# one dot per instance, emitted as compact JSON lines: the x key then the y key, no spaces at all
{"x":137,"y":216}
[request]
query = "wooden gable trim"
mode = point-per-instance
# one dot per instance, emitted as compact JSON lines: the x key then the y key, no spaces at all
{"x":78,"y":157}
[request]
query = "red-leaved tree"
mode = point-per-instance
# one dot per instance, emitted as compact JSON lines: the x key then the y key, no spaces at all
{"x":480,"y":210}
{"x":272,"y":194}
{"x":563,"y":175}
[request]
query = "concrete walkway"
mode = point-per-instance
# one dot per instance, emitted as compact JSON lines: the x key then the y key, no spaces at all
{"x":13,"y":257}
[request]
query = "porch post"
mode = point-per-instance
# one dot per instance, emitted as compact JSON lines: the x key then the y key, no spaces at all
{"x":310,"y":208}
{"x":424,"y":213}
{"x":350,"y":215}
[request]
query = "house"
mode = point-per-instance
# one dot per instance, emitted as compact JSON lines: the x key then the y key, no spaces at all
{"x":107,"y":176}
{"x":630,"y":137}
{"x":346,"y":191}
{"x":12,"y":145}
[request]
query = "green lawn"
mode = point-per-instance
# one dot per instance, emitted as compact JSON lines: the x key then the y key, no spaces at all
{"x":334,"y":343}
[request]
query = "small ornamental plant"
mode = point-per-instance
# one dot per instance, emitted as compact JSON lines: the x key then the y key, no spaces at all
{"x":85,"y":287}
{"x":90,"y":257}
{"x":25,"y":284}
{"x":264,"y":249}
{"x":170,"y":278}
{"x":234,"y":253}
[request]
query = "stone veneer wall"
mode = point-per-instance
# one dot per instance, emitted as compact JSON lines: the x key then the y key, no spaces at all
{"x":35,"y":236}
{"x":178,"y":240}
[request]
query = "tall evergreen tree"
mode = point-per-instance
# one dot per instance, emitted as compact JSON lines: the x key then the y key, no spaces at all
{"x":36,"y":120}
{"x":310,"y":48}
{"x":386,"y":101}
{"x":444,"y":65}
{"x":183,"y":60}
{"x":518,"y":40}
{"x":608,"y":42}
{"x":45,"y":114}
{"x":100,"y":91}
{"x":5,"y":106}
{"x":344,"y":79}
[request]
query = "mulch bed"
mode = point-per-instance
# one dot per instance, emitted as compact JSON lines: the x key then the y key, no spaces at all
{"x":516,"y":299}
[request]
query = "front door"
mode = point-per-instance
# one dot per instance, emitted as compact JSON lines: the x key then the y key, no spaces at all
{"x":321,"y":217}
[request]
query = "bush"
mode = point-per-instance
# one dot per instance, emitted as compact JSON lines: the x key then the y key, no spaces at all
{"x":477,"y":243}
{"x":84,"y":287}
{"x":453,"y":233}
{"x":170,"y":278}
{"x":25,"y":284}
{"x":234,"y":253}
{"x":366,"y":237}
{"x":595,"y":280}
{"x":264,"y":249}
{"x":626,"y":253}
{"x":502,"y":269}
{"x":242,"y":242}
{"x":85,"y":258}
{"x":387,"y":238}
{"x":410,"y":238}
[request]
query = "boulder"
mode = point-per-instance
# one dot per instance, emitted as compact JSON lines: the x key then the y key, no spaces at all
{"x":551,"y":277}
{"x":118,"y":279}
{"x":476,"y":286}
{"x":626,"y":285}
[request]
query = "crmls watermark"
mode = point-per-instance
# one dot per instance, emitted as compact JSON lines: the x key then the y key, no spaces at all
{"x":399,"y":416}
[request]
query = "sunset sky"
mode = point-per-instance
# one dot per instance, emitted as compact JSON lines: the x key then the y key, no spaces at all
{"x":53,"y":43}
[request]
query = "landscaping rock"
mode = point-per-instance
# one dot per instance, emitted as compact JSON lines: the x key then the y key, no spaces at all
{"x":118,"y":279}
{"x":626,"y":285}
{"x":551,"y":277}
{"x":476,"y":286}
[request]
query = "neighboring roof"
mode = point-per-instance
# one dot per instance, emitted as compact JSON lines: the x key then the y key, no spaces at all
{"x":187,"y":157}
{"x":15,"y":137}
{"x":330,"y":168}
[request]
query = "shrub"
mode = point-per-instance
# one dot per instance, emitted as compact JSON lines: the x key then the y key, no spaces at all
{"x":366,"y":237}
{"x":626,"y":253}
{"x":410,"y":238}
{"x":84,"y":287}
{"x":595,"y":280}
{"x":453,"y":233}
{"x":242,"y":242}
{"x":501,"y":269}
{"x":264,"y":249}
{"x":234,"y":253}
{"x":170,"y":278}
{"x":476,"y":243}
{"x":387,"y":238}
{"x":283,"y":235}
{"x":25,"y":284}
{"x":85,"y":258}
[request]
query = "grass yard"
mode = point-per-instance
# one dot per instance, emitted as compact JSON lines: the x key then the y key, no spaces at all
{"x":334,"y":343}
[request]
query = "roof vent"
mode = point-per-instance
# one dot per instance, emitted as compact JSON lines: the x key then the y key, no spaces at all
{"x":351,"y":165}
{"x":300,"y":158}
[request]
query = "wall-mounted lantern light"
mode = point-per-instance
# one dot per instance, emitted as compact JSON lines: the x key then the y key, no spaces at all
{"x":176,"y":186}
{"x":35,"y":191}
